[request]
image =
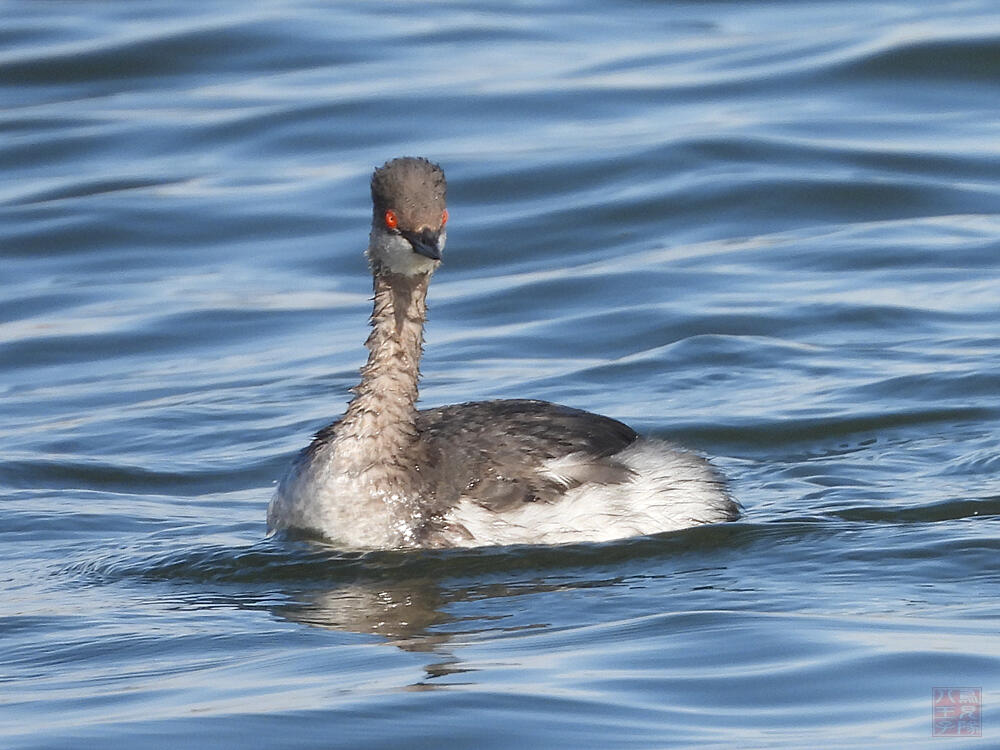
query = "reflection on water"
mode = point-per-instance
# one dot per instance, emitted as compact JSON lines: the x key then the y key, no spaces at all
{"x":767,"y":231}
{"x":401,"y":613}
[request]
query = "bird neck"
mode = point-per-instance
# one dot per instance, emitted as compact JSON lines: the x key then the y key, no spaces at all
{"x":381,"y":418}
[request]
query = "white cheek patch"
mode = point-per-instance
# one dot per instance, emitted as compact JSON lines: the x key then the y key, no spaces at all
{"x":396,"y":255}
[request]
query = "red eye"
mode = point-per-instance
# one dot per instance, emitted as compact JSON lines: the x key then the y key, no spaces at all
{"x":391,"y":220}
{"x":444,"y":217}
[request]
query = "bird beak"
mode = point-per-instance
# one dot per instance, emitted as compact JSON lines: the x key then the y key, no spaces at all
{"x":426,"y":242}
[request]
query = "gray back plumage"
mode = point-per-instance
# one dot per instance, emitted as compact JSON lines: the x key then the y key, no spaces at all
{"x":494,"y":452}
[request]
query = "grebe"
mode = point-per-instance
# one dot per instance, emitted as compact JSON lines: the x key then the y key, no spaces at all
{"x":482,"y":473}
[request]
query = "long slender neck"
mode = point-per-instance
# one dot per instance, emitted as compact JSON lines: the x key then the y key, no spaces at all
{"x":380,"y":421}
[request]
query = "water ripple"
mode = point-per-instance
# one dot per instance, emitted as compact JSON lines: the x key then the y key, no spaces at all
{"x":766,"y":231}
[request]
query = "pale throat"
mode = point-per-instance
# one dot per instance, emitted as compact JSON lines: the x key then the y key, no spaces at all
{"x":379,"y":427}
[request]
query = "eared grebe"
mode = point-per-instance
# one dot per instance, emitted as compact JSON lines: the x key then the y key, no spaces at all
{"x":480,"y":473}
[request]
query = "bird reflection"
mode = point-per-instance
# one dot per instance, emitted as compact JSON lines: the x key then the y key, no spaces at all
{"x":405,"y":614}
{"x":400,"y":612}
{"x":410,"y":598}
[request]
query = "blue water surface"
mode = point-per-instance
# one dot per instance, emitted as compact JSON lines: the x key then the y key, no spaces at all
{"x":767,"y":230}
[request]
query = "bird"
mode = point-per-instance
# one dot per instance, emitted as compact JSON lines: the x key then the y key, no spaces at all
{"x":388,"y":475}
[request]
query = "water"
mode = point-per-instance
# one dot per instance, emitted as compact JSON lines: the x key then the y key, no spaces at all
{"x":766,"y":230}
